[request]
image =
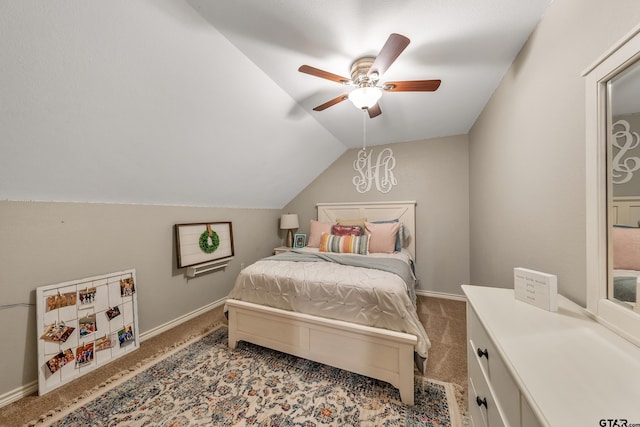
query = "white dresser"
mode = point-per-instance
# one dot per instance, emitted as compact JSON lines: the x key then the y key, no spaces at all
{"x":530,"y":367}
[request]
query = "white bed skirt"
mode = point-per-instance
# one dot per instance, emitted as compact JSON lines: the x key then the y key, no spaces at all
{"x":377,"y":353}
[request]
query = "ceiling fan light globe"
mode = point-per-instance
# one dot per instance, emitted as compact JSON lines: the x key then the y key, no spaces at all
{"x":365,"y":97}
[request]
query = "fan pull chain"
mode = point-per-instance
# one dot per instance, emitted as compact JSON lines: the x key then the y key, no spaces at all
{"x":364,"y":129}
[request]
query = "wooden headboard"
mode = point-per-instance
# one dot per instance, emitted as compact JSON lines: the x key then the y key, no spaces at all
{"x":626,"y":211}
{"x":405,"y":212}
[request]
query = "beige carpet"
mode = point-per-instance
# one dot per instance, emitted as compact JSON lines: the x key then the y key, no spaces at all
{"x":444,"y":321}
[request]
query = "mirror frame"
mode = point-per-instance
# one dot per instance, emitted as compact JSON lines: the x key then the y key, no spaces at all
{"x":620,"y":319}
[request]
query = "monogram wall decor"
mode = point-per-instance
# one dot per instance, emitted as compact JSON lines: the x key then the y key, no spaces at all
{"x":624,"y":165}
{"x":379,"y":173}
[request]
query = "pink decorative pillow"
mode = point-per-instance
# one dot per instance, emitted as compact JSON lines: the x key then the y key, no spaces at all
{"x":344,"y":244}
{"x":626,"y":248}
{"x":346,"y":230}
{"x":315,"y":232}
{"x":382,"y":236}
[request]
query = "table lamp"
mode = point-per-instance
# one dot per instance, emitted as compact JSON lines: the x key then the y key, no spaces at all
{"x":289,"y":222}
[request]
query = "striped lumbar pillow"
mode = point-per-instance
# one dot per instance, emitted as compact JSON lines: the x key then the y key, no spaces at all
{"x":344,"y":244}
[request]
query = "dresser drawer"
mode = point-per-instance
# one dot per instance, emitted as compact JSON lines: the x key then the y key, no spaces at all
{"x":482,"y":403}
{"x":481,"y":343}
{"x":477,"y":414}
{"x":484,"y":353}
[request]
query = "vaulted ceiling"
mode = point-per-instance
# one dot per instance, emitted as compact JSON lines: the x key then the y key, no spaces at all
{"x":199,"y":102}
{"x":468,"y":44}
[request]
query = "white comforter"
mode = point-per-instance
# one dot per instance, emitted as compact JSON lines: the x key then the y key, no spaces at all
{"x":360,"y":295}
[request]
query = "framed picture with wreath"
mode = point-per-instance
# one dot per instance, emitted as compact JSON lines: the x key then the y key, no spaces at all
{"x":199,"y":243}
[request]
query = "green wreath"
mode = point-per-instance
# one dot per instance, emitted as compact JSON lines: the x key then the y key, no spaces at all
{"x":204,"y":242}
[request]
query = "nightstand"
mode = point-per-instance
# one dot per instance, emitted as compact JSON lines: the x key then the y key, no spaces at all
{"x":281,"y":249}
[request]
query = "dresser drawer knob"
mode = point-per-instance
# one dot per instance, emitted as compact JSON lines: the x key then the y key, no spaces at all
{"x":481,"y":402}
{"x":484,"y":353}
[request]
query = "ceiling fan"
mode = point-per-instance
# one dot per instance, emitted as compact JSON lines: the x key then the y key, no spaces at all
{"x":365,"y":76}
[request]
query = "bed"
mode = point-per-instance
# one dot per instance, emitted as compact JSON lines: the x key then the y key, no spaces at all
{"x":349,"y":310}
{"x":626,"y":286}
{"x":626,"y":265}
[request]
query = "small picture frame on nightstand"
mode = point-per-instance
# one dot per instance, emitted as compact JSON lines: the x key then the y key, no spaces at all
{"x":299,"y":240}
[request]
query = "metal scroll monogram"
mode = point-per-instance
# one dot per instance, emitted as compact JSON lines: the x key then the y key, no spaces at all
{"x":625,"y":140}
{"x":380,"y":172}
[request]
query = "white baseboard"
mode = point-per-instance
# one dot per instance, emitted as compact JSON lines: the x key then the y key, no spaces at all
{"x":19,"y":393}
{"x":32,"y":387}
{"x":180,"y":320}
{"x":444,"y":295}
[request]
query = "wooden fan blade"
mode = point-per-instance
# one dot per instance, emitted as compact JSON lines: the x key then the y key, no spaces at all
{"x":394,"y":46}
{"x":374,"y":111}
{"x":307,"y":69}
{"x":412,"y":86}
{"x":331,"y":103}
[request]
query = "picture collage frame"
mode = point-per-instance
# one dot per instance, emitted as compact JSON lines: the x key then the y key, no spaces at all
{"x":83,"y":324}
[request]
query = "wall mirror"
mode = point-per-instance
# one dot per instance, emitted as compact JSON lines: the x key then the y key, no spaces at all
{"x":613,"y":187}
{"x":623,"y":188}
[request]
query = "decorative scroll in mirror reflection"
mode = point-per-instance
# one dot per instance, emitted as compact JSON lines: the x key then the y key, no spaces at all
{"x":623,"y":176}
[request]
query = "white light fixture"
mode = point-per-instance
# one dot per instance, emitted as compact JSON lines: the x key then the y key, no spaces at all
{"x":365,"y":97}
{"x":289,"y":222}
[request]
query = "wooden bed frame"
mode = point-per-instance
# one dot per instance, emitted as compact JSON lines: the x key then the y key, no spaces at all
{"x":378,"y":353}
{"x":626,"y":211}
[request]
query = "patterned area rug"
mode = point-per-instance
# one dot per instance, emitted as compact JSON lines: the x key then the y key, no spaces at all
{"x":204,"y":383}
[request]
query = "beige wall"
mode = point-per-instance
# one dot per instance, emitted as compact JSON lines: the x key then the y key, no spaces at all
{"x":48,"y":243}
{"x":432,"y":172}
{"x":526,"y":156}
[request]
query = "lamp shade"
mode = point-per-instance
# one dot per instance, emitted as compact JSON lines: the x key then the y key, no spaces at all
{"x":365,"y":97}
{"x":289,"y":221}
